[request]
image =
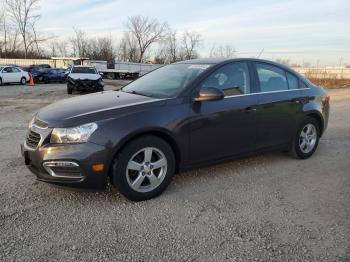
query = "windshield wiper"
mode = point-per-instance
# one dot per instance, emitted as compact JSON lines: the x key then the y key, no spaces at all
{"x":136,"y":93}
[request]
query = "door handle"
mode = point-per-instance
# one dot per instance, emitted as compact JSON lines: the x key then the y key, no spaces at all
{"x":296,"y":100}
{"x":249,"y":109}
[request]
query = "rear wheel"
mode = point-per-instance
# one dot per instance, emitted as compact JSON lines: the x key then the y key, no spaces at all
{"x":0,"y":82}
{"x":23,"y":81}
{"x":306,"y":139}
{"x":143,"y":169}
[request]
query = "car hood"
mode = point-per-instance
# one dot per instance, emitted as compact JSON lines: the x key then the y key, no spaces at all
{"x":93,"y":107}
{"x":84,"y":76}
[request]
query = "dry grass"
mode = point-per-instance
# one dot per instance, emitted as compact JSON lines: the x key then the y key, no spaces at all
{"x":331,"y":82}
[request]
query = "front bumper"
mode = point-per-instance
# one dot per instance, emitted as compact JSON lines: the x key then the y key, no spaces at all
{"x":68,"y":165}
{"x":86,"y":84}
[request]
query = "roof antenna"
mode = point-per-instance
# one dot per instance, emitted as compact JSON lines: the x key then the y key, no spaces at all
{"x":262,"y":50}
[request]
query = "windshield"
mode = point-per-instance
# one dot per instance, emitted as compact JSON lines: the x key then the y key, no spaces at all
{"x":167,"y":81}
{"x":83,"y":70}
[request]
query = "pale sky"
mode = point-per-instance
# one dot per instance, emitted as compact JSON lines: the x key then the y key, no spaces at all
{"x":299,"y":30}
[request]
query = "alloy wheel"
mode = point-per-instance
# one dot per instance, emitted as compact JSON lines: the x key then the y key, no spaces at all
{"x":146,"y":169}
{"x":307,"y":138}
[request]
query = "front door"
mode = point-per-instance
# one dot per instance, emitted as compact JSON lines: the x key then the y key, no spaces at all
{"x":227,"y":127}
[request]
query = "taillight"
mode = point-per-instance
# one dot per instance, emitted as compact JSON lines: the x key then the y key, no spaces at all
{"x":326,"y":99}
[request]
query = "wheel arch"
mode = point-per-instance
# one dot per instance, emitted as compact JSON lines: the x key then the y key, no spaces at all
{"x":318,"y":117}
{"x":163,"y":134}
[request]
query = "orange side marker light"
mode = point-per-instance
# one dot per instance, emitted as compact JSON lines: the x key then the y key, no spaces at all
{"x":98,"y":167}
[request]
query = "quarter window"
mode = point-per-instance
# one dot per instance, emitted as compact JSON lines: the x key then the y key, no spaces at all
{"x":293,"y":81}
{"x":271,"y":78}
{"x":232,"y":79}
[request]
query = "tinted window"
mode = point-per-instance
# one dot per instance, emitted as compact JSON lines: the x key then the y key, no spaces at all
{"x":8,"y":69}
{"x":232,"y":79}
{"x":303,"y":85}
{"x":271,"y":78}
{"x":83,"y":70}
{"x":293,"y":81}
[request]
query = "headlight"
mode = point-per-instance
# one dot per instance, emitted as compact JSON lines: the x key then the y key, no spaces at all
{"x":79,"y":134}
{"x":31,"y":122}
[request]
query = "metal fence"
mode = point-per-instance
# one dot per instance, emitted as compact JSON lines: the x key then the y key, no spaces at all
{"x":318,"y":73}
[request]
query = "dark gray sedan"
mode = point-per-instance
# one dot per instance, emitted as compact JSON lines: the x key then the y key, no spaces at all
{"x":180,"y":116}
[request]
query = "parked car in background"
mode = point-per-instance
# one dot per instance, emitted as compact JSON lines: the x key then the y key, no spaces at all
{"x":11,"y":74}
{"x":84,"y":78}
{"x":180,"y":116}
{"x":54,"y":75}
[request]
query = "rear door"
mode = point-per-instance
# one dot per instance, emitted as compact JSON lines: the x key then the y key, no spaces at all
{"x":16,"y":74}
{"x":278,"y":105}
{"x":226,"y":127}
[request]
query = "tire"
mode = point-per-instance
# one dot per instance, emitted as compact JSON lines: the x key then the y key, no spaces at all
{"x":0,"y":82}
{"x":111,"y":76}
{"x":302,"y":148}
{"x":23,"y":81}
{"x":143,"y":180}
{"x":69,"y":90}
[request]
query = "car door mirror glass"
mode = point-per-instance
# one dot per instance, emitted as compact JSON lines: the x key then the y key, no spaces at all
{"x":209,"y":94}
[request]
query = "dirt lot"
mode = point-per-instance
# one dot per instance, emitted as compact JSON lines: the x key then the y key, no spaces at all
{"x":266,"y":208}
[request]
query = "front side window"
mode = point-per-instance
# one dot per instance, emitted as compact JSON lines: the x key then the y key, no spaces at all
{"x":232,"y":79}
{"x":167,"y":81}
{"x":271,"y":78}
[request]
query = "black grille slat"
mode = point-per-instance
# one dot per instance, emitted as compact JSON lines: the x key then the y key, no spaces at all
{"x":33,"y":139}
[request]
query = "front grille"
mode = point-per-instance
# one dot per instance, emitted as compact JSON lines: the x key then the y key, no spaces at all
{"x":39,"y":123}
{"x":32,"y":139}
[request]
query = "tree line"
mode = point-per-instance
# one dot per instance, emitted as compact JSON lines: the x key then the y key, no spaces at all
{"x":144,"y":39}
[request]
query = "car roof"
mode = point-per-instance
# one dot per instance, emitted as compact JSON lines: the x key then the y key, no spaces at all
{"x":216,"y":61}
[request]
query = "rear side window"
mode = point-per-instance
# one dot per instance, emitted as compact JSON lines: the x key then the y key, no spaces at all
{"x":271,"y":78}
{"x":232,"y":79}
{"x":293,"y":81}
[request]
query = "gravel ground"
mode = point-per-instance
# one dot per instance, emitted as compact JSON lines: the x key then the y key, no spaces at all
{"x":265,"y":208}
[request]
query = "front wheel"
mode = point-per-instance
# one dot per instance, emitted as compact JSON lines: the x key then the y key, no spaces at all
{"x":23,"y":81}
{"x":143,"y":169}
{"x":306,"y":139}
{"x":69,"y":90}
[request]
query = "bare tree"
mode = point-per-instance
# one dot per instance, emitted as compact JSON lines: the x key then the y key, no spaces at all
{"x":284,"y":61}
{"x":146,"y":31}
{"x":173,"y":46}
{"x":24,"y":13}
{"x":79,"y":43}
{"x":190,"y":42}
{"x":222,"y":51}
{"x":128,"y":48}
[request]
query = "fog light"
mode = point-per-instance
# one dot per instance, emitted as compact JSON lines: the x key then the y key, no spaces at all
{"x":98,"y":167}
{"x":63,"y":169}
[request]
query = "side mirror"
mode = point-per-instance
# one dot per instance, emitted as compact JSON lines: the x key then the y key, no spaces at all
{"x":101,"y":74}
{"x":209,"y":94}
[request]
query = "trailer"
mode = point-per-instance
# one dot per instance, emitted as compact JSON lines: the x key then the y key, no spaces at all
{"x":122,"y":70}
{"x":119,"y":74}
